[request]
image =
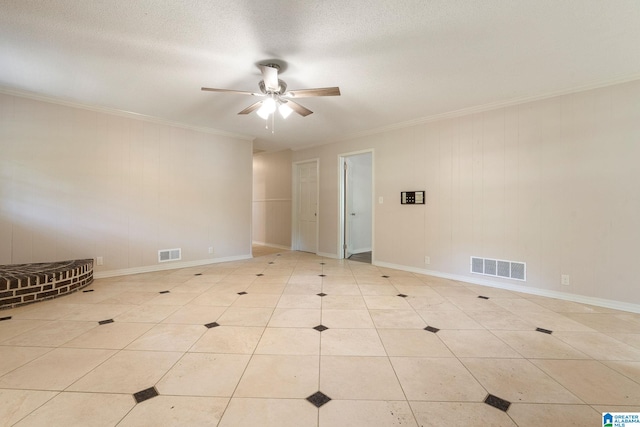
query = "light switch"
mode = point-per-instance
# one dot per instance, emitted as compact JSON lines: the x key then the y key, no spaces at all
{"x":380,"y":199}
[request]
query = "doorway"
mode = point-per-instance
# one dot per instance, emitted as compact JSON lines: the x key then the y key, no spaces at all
{"x":305,"y":206}
{"x":356,"y":206}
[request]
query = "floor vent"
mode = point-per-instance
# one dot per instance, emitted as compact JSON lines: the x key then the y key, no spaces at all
{"x":499,"y":268}
{"x":165,"y":255}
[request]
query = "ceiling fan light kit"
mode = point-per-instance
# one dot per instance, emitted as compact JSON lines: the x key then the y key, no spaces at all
{"x":284,"y":109}
{"x":276,"y":95}
{"x":268,"y":106}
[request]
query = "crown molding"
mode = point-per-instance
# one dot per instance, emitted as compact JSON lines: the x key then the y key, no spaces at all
{"x":480,"y":109}
{"x":120,"y":113}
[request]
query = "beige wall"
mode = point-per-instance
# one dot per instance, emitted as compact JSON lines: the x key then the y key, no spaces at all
{"x":76,"y":183}
{"x":553,"y":183}
{"x":272,"y":199}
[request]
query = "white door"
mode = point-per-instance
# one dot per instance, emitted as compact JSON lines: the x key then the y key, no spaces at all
{"x":348,"y":208}
{"x":359,"y":210}
{"x":307,"y":206}
{"x":358,"y":206}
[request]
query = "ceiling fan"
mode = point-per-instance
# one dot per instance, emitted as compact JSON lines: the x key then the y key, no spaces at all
{"x":275,"y":94}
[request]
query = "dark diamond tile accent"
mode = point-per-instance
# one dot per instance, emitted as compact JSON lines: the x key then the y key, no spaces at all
{"x":164,"y":292}
{"x":497,"y":402}
{"x":104,"y":322}
{"x":212,"y":325}
{"x":431,"y":329}
{"x":322,"y":275}
{"x":88,"y":290}
{"x":386,"y":277}
{"x":242,"y":293}
{"x":259,"y":274}
{"x":482,"y":297}
{"x":278,"y":254}
{"x":544,"y":331}
{"x":322,"y":263}
{"x":272,"y":262}
{"x":320,"y":328}
{"x":322,"y":294}
{"x":318,"y":399}
{"x":145,"y":394}
{"x":198,"y":274}
{"x":5,"y":318}
{"x":402,"y":295}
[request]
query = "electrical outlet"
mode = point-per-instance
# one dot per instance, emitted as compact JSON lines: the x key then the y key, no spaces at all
{"x":564,"y":280}
{"x":99,"y":260}
{"x":210,"y":249}
{"x":427,"y":260}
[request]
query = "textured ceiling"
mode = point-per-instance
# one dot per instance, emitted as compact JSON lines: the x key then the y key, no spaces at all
{"x":394,"y":61}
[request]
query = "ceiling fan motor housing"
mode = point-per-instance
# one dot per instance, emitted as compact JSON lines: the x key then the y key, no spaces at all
{"x":282,"y":87}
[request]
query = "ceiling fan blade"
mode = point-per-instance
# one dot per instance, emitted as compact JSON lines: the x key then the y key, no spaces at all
{"x":240,"y":92}
{"x":270,"y":77}
{"x":306,"y":93}
{"x":251,"y":108}
{"x":303,"y":111}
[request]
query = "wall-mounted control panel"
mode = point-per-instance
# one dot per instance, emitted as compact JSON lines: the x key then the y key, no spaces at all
{"x":412,"y":197}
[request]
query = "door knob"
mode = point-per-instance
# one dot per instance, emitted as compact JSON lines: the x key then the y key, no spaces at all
{"x":353,"y":214}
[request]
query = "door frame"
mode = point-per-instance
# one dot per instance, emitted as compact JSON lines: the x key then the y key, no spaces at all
{"x":296,"y":197}
{"x":342,"y":158}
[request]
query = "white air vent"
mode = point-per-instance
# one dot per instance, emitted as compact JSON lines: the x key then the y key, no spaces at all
{"x":499,"y":268}
{"x":165,"y":255}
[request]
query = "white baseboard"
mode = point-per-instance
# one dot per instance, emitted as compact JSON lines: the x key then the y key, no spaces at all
{"x":165,"y":266}
{"x":599,"y":302}
{"x":272,"y":245}
{"x":360,"y":250}
{"x":327,"y":255}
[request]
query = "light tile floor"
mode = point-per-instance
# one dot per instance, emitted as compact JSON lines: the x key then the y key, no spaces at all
{"x":234,"y":344}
